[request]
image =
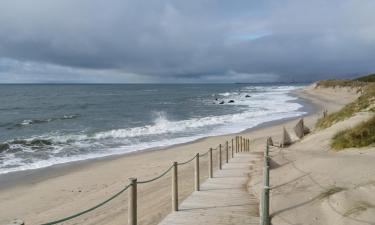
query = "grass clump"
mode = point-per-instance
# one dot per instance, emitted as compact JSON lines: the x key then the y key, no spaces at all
{"x":365,"y":102}
{"x":359,"y":136}
{"x":330,"y":191}
{"x":358,"y":208}
{"x":340,"y":83}
{"x":368,"y":78}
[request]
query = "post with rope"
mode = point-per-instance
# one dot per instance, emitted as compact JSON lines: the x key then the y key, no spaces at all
{"x":210,"y":170}
{"x":232,"y":149}
{"x":175,"y":187}
{"x":265,"y":220}
{"x":197,"y":172}
{"x":226,"y":151}
{"x":132,"y":202}
{"x":219,"y":157}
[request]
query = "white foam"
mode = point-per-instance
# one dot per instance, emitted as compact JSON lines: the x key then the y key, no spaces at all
{"x":265,"y":104}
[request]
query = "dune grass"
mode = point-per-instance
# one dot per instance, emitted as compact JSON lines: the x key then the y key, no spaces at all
{"x":368,"y":78}
{"x":358,"y":208}
{"x":341,"y":83}
{"x":359,"y":136}
{"x":330,"y":191}
{"x":365,"y":102}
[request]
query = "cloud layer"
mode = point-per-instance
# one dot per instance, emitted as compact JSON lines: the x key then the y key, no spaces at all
{"x":184,"y":41}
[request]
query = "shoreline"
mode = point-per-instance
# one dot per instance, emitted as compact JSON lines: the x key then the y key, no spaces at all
{"x":57,"y":192}
{"x":24,"y":177}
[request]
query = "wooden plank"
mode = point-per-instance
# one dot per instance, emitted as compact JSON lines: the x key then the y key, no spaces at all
{"x":223,"y":199}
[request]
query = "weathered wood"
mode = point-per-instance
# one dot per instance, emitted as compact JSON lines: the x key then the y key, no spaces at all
{"x":197,"y":180}
{"x":220,"y":161}
{"x":132,"y":201}
{"x":210,"y":169}
{"x":232,"y":149}
{"x":226,"y":151}
{"x":175,"y":187}
{"x":223,"y":200}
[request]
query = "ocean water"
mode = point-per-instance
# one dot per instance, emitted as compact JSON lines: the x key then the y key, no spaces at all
{"x":44,"y":125}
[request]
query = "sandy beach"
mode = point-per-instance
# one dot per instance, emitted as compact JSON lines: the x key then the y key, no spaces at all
{"x":299,"y":174}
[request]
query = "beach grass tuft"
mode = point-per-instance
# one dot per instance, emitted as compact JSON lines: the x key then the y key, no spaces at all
{"x":358,"y":207}
{"x":330,"y":191}
{"x":359,"y":136}
{"x":368,"y":78}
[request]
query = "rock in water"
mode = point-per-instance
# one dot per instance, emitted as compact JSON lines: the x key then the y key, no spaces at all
{"x":286,"y":140}
{"x":231,"y":101}
{"x":222,"y":102}
{"x":247,"y":96}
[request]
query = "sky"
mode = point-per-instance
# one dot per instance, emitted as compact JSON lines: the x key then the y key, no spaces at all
{"x":173,"y":41}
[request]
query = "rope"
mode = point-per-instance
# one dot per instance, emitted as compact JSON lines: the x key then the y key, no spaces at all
{"x":155,"y":178}
{"x":183,"y":163}
{"x":121,"y":191}
{"x":88,"y":210}
{"x":204,"y":154}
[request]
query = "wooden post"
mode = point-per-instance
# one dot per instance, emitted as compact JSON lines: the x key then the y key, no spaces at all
{"x":226,"y":151}
{"x":132,"y":201}
{"x":241,"y":143}
{"x":210,"y":170}
{"x":236,"y":144}
{"x":232,"y":149}
{"x":175,"y":187}
{"x":197,"y":172}
{"x":265,"y":194}
{"x":249,"y":145}
{"x":220,"y":157}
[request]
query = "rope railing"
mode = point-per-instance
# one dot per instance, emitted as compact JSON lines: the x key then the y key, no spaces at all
{"x":186,"y":162}
{"x":155,"y":178}
{"x":239,"y":144}
{"x":88,"y":210}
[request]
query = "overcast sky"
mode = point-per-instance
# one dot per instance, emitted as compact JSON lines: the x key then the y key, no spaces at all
{"x":185,"y":40}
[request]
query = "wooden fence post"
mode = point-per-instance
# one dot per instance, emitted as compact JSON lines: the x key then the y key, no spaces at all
{"x":226,"y":151}
{"x":265,"y":220}
{"x":175,"y":187}
{"x":197,"y":172}
{"x":241,"y":141}
{"x":219,"y":157}
{"x":236,"y":144}
{"x":132,"y":202}
{"x":210,"y":170}
{"x":232,"y":149}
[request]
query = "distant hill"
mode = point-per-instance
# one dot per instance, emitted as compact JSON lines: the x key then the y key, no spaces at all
{"x":368,"y":78}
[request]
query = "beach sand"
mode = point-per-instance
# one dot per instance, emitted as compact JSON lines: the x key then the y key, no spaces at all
{"x":43,"y":195}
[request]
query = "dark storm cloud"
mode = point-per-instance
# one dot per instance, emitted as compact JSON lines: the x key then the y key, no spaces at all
{"x":206,"y":40}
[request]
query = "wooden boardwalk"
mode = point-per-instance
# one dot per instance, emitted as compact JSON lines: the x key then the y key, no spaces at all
{"x":223,"y":200}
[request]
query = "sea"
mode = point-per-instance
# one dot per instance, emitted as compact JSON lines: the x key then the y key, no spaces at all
{"x":42,"y":125}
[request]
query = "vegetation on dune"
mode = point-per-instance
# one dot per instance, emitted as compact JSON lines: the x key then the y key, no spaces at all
{"x":359,"y":136}
{"x":330,"y":191}
{"x":365,"y":102}
{"x":368,"y":78}
{"x":340,"y":83}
